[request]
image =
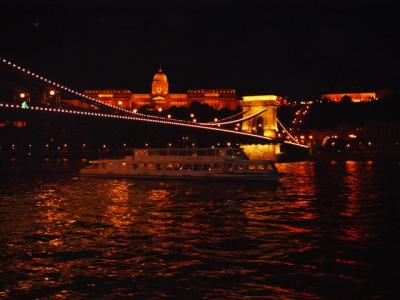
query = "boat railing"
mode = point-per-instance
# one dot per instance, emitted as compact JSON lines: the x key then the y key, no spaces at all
{"x":201,"y":152}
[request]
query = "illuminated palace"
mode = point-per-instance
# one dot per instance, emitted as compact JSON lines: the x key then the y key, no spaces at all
{"x":161,"y":98}
{"x":354,"y":97}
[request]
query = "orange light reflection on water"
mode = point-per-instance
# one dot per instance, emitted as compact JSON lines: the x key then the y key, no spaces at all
{"x":51,"y":215}
{"x":354,"y":181}
{"x":118,"y":211}
{"x":299,"y":181}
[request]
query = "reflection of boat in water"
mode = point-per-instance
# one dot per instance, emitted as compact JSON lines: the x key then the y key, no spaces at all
{"x":185,"y":163}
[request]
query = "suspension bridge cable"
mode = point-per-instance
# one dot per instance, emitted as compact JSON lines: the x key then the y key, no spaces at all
{"x":84,"y":98}
{"x":288,"y":133}
{"x":227,"y":118}
{"x":235,"y":121}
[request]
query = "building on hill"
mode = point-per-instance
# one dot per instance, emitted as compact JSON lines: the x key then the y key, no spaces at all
{"x":359,"y":96}
{"x":355,"y":97}
{"x":160,"y":96}
{"x":121,"y":98}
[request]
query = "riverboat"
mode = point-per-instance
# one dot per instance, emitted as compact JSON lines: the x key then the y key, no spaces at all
{"x":185,"y":163}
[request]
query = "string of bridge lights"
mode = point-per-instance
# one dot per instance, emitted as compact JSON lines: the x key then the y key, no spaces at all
{"x":288,"y":133}
{"x":137,"y":116}
{"x":77,"y":93}
{"x":237,"y":120}
{"x":296,"y":144}
{"x":297,"y":121}
{"x":131,"y":118}
{"x":227,"y":118}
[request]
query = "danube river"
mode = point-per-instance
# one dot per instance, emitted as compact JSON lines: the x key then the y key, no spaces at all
{"x":329,"y":230}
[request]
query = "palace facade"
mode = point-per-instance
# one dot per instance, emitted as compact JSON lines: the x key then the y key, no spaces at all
{"x":355,"y":97}
{"x":160,"y":97}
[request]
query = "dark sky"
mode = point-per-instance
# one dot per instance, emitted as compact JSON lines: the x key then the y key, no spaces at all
{"x":284,"y":47}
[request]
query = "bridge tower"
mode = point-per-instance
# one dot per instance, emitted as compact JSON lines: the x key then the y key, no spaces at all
{"x":263,"y":124}
{"x":266,"y":123}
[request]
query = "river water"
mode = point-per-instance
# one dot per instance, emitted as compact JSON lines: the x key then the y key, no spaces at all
{"x":329,"y":230}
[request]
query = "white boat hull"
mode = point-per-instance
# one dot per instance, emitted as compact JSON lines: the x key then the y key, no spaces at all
{"x":219,"y":164}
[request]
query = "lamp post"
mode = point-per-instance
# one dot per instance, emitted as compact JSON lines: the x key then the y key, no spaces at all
{"x":53,"y":97}
{"x":23,"y":98}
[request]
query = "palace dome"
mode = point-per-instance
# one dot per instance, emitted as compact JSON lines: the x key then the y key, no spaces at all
{"x":160,"y":76}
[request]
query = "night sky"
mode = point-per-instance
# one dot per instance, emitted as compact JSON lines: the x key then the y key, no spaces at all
{"x":285,"y":47}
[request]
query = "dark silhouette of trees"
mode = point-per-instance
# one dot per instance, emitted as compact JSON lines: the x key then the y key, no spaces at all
{"x":345,"y":99}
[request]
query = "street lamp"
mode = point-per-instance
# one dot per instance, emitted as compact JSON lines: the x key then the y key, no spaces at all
{"x":53,"y":97}
{"x":24,"y":99}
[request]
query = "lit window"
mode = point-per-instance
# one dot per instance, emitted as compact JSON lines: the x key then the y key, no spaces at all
{"x":187,"y":167}
{"x":197,"y":167}
{"x":238,"y":168}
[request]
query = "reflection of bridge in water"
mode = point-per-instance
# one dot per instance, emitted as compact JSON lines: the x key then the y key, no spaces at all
{"x":258,"y":121}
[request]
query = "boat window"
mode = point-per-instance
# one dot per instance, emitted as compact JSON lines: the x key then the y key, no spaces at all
{"x":187,"y":167}
{"x":169,"y":166}
{"x":251,"y":167}
{"x":158,"y":167}
{"x":207,"y":167}
{"x":260,"y":167}
{"x":134,"y":166}
{"x":228,"y":167}
{"x":216,"y":167}
{"x":177,"y":167}
{"x":143,"y":165}
{"x":268,"y":167}
{"x":238,"y":168}
{"x":196,"y":167}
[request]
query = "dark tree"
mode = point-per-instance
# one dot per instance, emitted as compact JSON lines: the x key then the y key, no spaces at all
{"x":346,"y":99}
